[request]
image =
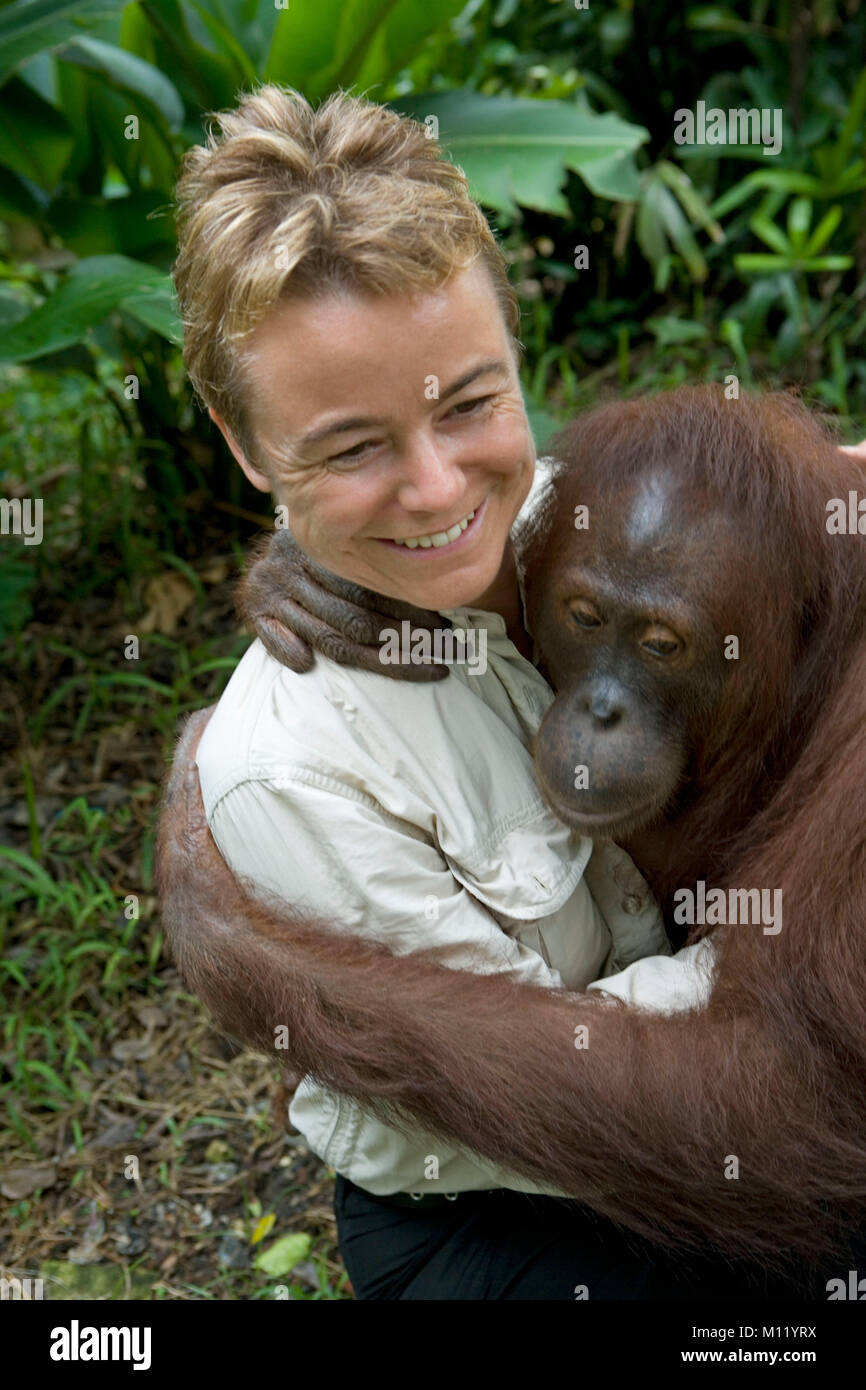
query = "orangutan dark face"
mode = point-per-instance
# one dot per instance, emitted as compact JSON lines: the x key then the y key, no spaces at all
{"x":631,"y":616}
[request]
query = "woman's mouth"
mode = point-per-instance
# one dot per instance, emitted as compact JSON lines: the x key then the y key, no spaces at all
{"x":441,"y":542}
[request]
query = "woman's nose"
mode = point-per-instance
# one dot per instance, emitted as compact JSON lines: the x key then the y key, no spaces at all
{"x":431,"y":478}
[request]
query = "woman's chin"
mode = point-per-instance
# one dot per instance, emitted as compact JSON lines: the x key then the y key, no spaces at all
{"x":466,"y":588}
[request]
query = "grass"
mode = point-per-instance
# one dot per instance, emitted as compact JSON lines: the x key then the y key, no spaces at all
{"x":143,"y":1155}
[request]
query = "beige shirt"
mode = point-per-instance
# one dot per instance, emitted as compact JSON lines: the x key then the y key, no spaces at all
{"x":409,"y":813}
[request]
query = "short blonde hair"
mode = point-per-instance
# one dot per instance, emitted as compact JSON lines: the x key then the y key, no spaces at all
{"x":289,"y":201}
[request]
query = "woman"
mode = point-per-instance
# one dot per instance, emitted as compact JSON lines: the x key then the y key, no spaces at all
{"x":350,"y":327}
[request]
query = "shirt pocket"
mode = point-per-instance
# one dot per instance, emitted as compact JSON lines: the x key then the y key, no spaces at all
{"x":523,"y":870}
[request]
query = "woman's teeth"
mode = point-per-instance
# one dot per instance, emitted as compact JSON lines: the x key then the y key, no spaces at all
{"x":438,"y":537}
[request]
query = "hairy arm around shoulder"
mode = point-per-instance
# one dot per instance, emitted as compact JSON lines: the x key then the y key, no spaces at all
{"x":640,"y":1123}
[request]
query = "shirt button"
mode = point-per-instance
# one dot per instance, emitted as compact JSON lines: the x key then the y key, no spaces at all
{"x":632,"y":904}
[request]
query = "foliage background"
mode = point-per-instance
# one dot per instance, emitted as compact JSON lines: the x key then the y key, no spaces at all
{"x":703,"y":261}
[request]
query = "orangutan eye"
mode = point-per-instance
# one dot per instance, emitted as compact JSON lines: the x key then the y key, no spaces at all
{"x":660,"y":641}
{"x":585,"y":615}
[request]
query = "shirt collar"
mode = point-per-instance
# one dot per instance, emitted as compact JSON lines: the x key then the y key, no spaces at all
{"x":473,"y":618}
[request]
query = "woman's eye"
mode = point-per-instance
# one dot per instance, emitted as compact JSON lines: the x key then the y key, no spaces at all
{"x":348,"y":455}
{"x":469,"y":407}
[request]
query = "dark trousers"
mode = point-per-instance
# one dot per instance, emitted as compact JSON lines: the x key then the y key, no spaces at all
{"x":514,"y":1245}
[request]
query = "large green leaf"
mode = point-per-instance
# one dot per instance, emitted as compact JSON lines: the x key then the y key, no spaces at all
{"x":35,"y":139}
{"x":303,"y":43}
{"x":29,"y":26}
{"x":72,"y":85}
{"x":156,"y":308}
{"x":351,"y":43}
{"x":516,"y":150}
{"x":250,"y":23}
{"x":145,"y":161}
{"x":661,"y":219}
{"x":129,"y":72}
{"x":225,"y":42}
{"x":94,"y":288}
{"x":209,"y":79}
{"x":16,"y":200}
{"x":131,"y":226}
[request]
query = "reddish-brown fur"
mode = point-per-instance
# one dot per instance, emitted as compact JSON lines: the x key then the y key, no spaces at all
{"x":639,"y":1124}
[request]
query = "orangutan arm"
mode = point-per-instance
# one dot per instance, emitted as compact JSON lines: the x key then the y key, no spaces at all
{"x":642,"y":1123}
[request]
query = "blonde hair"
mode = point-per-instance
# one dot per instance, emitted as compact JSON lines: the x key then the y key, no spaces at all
{"x":288,"y":201}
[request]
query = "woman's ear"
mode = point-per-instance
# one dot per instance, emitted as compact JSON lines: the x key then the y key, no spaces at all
{"x":258,"y":479}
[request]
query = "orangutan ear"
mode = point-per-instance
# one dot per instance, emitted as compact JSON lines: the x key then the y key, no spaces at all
{"x":258,"y":479}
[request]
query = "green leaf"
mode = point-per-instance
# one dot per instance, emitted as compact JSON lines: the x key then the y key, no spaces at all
{"x":760,"y":264}
{"x":303,"y":43}
{"x":12,"y":308}
{"x":649,"y":226}
{"x":212,"y":77}
{"x":824,"y":230}
{"x":715,"y":19}
{"x":373,"y":47}
{"x":821,"y":264}
{"x":516,"y":150}
{"x":694,"y":204}
{"x":29,"y":26}
{"x":281,"y":1257}
{"x":227,"y":44}
{"x":799,"y":222}
{"x":16,"y":200}
{"x":680,"y":233}
{"x":771,"y":235}
{"x":35,"y":139}
{"x":93,"y":289}
{"x":783,"y":180}
{"x":131,"y":226}
{"x":351,"y":43}
{"x":670,"y":330}
{"x":145,"y":162}
{"x":49,"y":1074}
{"x":18,"y":579}
{"x":854,"y":119}
{"x":129,"y":72}
{"x":660,"y":221}
{"x":156,"y":308}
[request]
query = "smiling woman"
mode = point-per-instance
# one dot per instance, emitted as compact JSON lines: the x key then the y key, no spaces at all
{"x":350,"y":326}
{"x":385,"y":424}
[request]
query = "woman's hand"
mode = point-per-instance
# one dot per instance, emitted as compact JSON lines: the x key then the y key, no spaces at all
{"x":297,"y":607}
{"x":858,"y":450}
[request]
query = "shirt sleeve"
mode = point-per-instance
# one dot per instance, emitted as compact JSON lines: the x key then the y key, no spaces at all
{"x":666,"y":984}
{"x":333,"y":851}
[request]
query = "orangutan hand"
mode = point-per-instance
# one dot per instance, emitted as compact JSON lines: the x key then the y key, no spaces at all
{"x":296,"y":607}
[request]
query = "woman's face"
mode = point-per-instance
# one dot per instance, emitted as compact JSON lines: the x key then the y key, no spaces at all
{"x":386,"y":420}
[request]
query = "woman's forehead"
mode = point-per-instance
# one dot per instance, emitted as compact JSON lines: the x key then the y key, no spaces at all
{"x":343,"y":348}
